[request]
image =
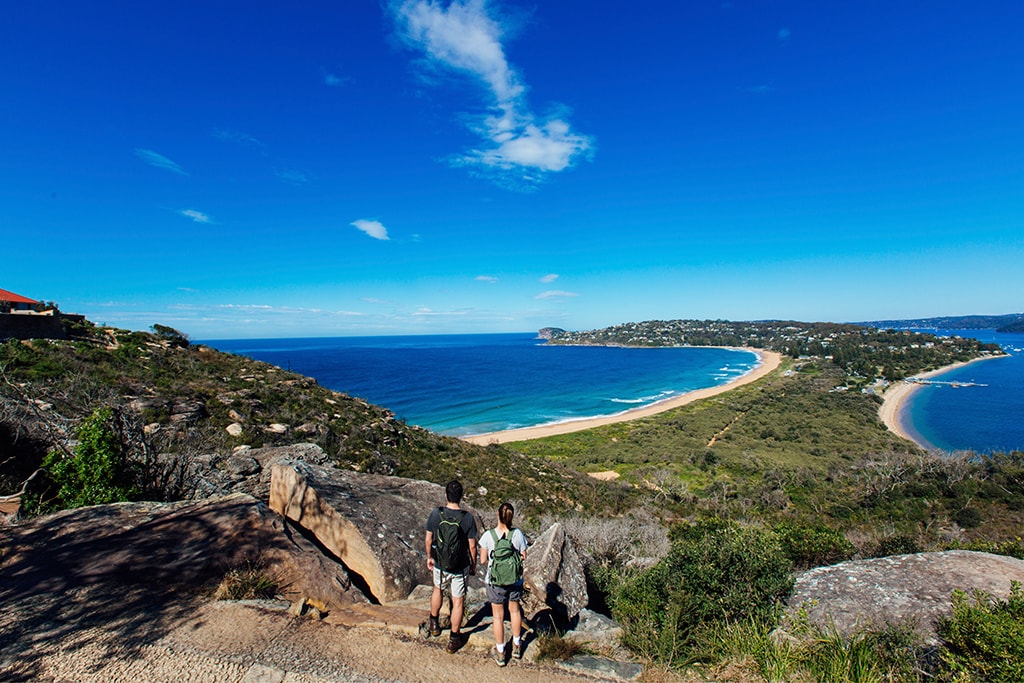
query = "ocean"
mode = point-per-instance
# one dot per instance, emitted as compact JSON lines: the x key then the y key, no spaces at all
{"x":462,"y":385}
{"x":983,"y":419}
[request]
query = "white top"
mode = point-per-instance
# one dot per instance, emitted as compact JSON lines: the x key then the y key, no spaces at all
{"x":487,"y":541}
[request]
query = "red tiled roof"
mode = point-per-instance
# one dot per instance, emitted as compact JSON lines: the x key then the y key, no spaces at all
{"x":15,"y":298}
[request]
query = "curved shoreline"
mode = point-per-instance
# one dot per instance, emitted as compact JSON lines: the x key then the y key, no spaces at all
{"x":896,"y":399}
{"x":767,"y":362}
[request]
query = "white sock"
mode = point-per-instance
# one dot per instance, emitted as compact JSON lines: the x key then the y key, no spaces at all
{"x":516,"y":639}
{"x":501,"y":647}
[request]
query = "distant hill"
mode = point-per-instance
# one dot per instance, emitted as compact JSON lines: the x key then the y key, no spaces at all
{"x":1011,"y":322}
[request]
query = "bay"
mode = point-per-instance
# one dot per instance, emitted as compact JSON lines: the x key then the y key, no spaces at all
{"x":984,"y":419}
{"x":471,"y":384}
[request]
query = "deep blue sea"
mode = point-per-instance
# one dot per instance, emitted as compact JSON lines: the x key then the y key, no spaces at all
{"x":982,"y":419}
{"x":472,"y":384}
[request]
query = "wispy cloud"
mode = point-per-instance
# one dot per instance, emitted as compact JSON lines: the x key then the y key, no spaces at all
{"x":197,"y":216}
{"x":332,"y":80}
{"x":237,"y":137}
{"x":490,"y":279}
{"x":555,"y":294}
{"x":550,"y":277}
{"x":374,"y":229}
{"x":462,"y":37}
{"x":784,"y":34}
{"x":159,"y":161}
{"x":294,"y":176}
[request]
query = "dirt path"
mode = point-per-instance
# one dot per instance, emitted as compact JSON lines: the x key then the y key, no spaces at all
{"x":224,"y":642}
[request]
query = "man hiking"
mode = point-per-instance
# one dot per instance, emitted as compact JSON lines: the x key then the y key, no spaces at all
{"x":451,"y":557}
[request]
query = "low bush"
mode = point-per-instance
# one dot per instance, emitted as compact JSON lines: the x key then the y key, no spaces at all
{"x":714,"y":573}
{"x":984,"y":638}
{"x":813,"y":546}
{"x":96,"y":472}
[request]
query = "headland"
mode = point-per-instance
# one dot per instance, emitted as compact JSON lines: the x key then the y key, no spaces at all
{"x":767,"y":362}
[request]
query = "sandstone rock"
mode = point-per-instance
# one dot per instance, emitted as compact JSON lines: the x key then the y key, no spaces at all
{"x":276,"y":428}
{"x":242,"y":465}
{"x":162,"y":545}
{"x":236,"y":416}
{"x":553,"y":576}
{"x":373,"y":523}
{"x":898,"y":589}
{"x":188,"y":412}
{"x":234,"y":429}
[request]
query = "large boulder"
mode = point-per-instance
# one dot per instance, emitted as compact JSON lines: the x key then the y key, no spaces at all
{"x":899,"y":589}
{"x":373,"y":523}
{"x":166,"y":545}
{"x":553,"y":577}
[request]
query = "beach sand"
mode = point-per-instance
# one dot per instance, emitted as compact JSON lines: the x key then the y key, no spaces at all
{"x":896,"y":398}
{"x":769,"y":360}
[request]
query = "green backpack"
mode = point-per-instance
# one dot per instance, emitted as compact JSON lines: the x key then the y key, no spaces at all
{"x":506,"y":562}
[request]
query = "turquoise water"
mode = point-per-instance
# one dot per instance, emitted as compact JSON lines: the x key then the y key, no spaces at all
{"x":984,"y":419}
{"x":472,"y":384}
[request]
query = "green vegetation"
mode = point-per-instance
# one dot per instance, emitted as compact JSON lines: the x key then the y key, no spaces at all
{"x":96,"y":472}
{"x":714,"y":573}
{"x":176,"y":399}
{"x":984,"y":638}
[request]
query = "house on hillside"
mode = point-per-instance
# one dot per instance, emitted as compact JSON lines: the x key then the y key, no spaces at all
{"x":24,"y":318}
{"x":15,"y":303}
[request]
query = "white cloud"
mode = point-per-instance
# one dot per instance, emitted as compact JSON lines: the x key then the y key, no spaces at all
{"x":784,"y":34}
{"x":237,"y":137}
{"x":374,"y":229}
{"x":490,"y":279}
{"x":551,"y":277}
{"x":197,"y":216}
{"x":463,"y":37}
{"x":335,"y":81}
{"x":555,"y":294}
{"x":159,"y":161}
{"x":293,"y":176}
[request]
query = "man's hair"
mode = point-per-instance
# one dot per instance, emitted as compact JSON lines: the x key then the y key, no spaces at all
{"x":505,"y":513}
{"x":453,"y":491}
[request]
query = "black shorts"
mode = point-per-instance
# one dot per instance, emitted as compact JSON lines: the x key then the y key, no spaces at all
{"x":499,"y":595}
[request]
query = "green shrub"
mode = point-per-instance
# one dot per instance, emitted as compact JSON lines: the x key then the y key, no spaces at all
{"x":813,"y":546}
{"x":713,"y":574}
{"x":899,"y":544}
{"x":96,"y":473}
{"x":984,"y":638}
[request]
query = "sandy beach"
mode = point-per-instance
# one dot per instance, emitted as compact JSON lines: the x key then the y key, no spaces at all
{"x":897,"y":396}
{"x":768,"y":361}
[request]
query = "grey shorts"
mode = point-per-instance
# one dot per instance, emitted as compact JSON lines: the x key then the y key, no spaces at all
{"x":454,"y":584}
{"x":498,"y":595}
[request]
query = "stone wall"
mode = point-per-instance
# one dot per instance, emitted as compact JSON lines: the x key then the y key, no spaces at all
{"x":28,"y":326}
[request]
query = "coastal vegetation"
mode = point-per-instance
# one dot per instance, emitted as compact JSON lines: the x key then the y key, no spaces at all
{"x":151,"y":405}
{"x":691,"y":546}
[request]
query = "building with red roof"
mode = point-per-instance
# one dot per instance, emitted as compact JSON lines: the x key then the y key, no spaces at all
{"x":9,"y":301}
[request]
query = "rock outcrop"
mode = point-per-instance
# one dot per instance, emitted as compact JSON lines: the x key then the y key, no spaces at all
{"x":373,"y":523}
{"x":162,"y":545}
{"x":553,"y":576}
{"x":899,"y":589}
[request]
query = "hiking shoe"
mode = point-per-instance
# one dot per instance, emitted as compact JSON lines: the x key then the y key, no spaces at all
{"x":499,"y":657}
{"x":517,"y":650}
{"x":434,"y":627}
{"x":454,"y":643}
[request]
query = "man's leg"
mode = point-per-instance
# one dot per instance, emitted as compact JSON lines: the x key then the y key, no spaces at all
{"x":457,"y":604}
{"x":433,"y":625}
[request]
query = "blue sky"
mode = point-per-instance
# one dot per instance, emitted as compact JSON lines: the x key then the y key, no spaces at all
{"x":259,"y":169}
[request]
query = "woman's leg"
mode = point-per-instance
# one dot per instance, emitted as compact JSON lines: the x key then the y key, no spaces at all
{"x":498,"y":613}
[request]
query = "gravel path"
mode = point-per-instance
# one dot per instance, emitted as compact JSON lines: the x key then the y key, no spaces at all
{"x":52,"y":639}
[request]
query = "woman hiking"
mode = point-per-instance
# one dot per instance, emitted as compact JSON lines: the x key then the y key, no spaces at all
{"x":503,"y":550}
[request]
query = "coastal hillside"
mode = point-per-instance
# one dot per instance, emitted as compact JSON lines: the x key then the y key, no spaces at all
{"x":804,"y":444}
{"x":176,"y":407}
